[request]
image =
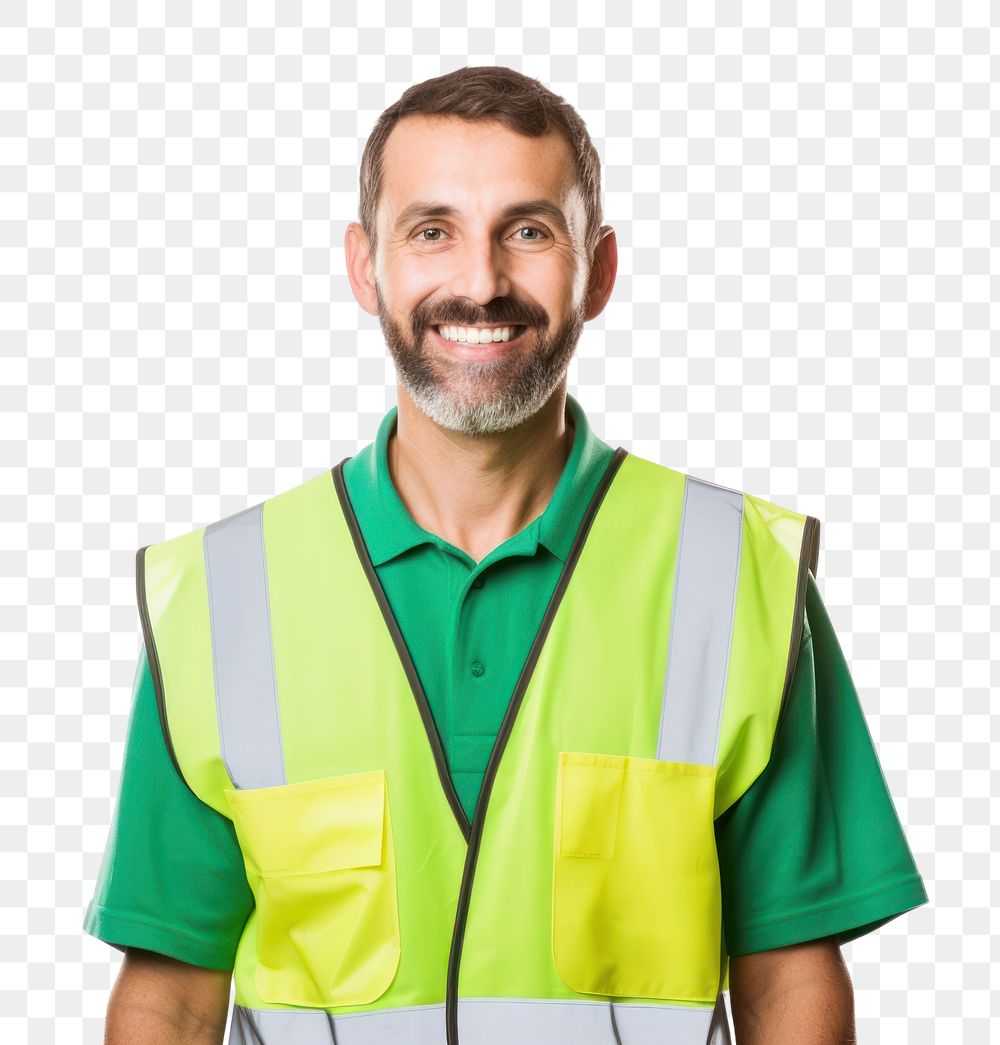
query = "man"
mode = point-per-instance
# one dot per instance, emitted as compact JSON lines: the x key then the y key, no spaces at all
{"x":492,"y":733}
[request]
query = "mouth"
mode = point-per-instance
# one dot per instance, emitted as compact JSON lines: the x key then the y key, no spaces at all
{"x":479,"y":335}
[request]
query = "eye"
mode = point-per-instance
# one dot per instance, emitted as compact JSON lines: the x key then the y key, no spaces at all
{"x":429,"y":228}
{"x":531,"y":228}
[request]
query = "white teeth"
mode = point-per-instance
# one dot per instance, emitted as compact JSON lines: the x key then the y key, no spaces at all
{"x":475,"y":335}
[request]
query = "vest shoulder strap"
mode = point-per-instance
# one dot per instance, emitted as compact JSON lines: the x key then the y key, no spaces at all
{"x":740,"y":568}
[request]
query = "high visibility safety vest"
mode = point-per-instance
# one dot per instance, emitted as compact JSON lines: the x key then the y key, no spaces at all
{"x":582,"y":904}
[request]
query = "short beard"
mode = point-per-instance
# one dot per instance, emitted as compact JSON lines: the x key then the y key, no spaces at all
{"x":480,"y":397}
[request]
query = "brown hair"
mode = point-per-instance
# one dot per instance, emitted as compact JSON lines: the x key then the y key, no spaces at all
{"x":487,"y":92}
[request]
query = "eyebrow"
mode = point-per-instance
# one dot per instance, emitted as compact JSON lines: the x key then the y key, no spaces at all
{"x":422,"y":209}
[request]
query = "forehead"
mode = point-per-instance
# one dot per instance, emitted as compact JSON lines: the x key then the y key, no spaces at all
{"x":476,"y":167}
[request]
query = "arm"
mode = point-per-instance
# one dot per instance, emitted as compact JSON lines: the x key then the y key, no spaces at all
{"x":172,"y":895}
{"x":158,"y":1000}
{"x":797,"y":995}
{"x":812,"y":853}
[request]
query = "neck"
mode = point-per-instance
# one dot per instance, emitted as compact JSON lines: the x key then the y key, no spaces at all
{"x":476,"y":491}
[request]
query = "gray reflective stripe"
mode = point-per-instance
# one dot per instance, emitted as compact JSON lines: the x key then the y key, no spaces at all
{"x":701,"y":624}
{"x":240,"y":617}
{"x":482,"y":1021}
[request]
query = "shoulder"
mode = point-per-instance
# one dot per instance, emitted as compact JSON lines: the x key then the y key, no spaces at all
{"x":776,"y":517}
{"x":290,"y":497}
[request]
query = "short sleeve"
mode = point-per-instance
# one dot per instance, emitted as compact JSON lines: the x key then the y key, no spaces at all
{"x":172,"y":877}
{"x":814,"y":847}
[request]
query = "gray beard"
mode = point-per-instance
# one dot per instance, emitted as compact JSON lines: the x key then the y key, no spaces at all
{"x":481,"y":397}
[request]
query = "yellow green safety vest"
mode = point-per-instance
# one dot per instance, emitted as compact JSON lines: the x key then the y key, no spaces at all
{"x":582,"y":904}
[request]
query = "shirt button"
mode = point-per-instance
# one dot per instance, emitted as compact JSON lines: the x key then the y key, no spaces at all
{"x":478,"y":582}
{"x":477,"y":668}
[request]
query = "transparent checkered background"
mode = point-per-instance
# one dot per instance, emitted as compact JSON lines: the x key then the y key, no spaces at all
{"x":802,"y":197}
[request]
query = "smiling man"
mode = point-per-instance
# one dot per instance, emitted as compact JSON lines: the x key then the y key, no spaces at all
{"x":489,"y":277}
{"x":492,"y":732}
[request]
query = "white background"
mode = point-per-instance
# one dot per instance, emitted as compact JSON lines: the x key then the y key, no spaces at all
{"x":804,"y":201}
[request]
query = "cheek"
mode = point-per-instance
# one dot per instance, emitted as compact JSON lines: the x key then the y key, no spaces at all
{"x":408,"y":280}
{"x":552,"y":280}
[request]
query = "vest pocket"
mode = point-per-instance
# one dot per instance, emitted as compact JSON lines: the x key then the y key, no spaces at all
{"x":636,"y":895}
{"x":320,"y":861}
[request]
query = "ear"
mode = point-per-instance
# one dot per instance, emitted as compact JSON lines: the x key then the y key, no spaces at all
{"x":361,"y":267}
{"x":603,"y":270}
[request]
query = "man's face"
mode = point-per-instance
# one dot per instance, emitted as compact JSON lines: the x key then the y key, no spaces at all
{"x":452,"y":252}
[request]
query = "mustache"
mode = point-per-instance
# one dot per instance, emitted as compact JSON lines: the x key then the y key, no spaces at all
{"x":460,"y":316}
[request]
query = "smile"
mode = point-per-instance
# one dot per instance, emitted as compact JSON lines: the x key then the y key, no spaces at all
{"x":484,"y":335}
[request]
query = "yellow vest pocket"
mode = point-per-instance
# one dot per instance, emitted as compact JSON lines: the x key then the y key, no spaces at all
{"x":320,"y":861}
{"x":636,"y":895}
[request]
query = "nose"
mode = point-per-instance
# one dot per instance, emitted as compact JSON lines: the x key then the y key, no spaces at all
{"x":480,"y":272}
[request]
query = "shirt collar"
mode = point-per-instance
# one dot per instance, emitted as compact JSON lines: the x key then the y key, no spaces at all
{"x":389,"y":529}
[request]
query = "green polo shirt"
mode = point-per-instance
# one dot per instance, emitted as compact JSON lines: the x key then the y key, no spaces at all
{"x":814,"y":847}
